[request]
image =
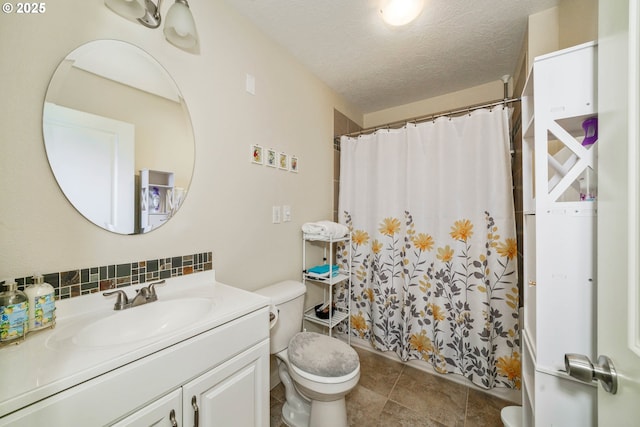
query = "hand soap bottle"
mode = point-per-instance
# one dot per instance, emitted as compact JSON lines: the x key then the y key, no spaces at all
{"x":42,"y":305}
{"x":13,"y":314}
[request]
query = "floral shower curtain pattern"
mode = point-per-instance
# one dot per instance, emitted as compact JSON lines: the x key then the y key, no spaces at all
{"x":431,"y":212}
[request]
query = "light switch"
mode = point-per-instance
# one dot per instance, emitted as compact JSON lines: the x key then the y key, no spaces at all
{"x":276,"y":214}
{"x":251,"y":84}
{"x":286,"y":213}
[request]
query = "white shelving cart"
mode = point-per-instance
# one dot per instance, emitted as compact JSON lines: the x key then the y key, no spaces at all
{"x":343,"y":278}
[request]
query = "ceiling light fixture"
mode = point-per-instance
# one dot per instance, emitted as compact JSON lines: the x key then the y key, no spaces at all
{"x":400,"y":12}
{"x":179,"y":28}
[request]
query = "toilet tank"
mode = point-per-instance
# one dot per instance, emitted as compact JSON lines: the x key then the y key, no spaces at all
{"x":288,"y":297}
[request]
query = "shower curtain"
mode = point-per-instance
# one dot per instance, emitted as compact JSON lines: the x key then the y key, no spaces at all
{"x":430,"y":208}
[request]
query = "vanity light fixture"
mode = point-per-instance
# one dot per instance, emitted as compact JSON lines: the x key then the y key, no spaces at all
{"x":179,"y":28}
{"x":400,"y":12}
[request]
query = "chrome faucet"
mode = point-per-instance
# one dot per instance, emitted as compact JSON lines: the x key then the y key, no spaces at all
{"x":144,"y":295}
{"x":141,"y":297}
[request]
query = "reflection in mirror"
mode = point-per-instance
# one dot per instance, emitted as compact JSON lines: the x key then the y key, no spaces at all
{"x":118,"y":137}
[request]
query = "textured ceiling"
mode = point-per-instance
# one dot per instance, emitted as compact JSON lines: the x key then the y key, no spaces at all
{"x":453,"y":45}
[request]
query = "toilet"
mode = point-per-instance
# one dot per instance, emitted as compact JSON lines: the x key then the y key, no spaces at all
{"x":511,"y":416}
{"x":317,"y":371}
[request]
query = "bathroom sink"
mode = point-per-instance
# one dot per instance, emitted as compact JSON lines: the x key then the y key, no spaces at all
{"x":142,"y":322}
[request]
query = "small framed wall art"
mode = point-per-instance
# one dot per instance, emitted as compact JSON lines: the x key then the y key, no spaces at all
{"x":283,"y":161}
{"x":293,"y":163}
{"x":257,"y":154}
{"x":271,"y":159}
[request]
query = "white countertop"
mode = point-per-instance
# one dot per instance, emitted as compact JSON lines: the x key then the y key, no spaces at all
{"x":48,"y":361}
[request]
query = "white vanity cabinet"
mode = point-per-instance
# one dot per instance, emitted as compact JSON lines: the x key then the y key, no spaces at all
{"x":558,"y":103}
{"x":231,"y":394}
{"x":219,"y":364}
{"x":228,"y":395}
{"x":165,"y":411}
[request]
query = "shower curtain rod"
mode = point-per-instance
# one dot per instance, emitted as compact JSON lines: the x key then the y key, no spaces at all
{"x":434,"y":116}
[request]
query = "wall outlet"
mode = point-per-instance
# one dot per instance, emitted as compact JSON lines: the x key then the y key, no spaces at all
{"x":286,"y":213}
{"x":276,"y":214}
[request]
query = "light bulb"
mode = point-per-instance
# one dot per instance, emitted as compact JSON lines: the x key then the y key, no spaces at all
{"x":400,"y":12}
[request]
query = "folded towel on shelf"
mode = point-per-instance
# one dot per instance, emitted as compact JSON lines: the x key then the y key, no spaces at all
{"x":322,"y":271}
{"x":324,"y":229}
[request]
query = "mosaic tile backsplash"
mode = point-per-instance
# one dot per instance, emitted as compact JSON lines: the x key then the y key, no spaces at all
{"x":68,"y":284}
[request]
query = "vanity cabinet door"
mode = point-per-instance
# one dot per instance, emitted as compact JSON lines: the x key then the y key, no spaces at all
{"x":235,"y":393}
{"x":166,"y":411}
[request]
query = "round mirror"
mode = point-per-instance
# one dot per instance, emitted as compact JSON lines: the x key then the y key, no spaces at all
{"x":118,"y":137}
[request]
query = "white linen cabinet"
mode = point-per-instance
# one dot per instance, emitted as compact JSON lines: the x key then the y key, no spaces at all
{"x":559,"y":119}
{"x":156,"y":198}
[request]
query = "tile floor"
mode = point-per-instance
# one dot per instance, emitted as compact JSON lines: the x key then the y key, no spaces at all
{"x":392,"y":394}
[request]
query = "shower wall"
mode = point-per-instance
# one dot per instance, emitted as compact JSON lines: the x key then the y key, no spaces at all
{"x":341,"y":126}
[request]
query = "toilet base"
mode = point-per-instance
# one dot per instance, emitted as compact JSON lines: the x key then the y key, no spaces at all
{"x":294,"y":417}
{"x":295,"y":410}
{"x":328,"y":414}
{"x":300,"y":410}
{"x":317,"y":414}
{"x":511,"y":416}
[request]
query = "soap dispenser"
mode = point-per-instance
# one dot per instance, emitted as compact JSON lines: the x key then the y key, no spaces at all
{"x":13,"y":314}
{"x":42,"y":304}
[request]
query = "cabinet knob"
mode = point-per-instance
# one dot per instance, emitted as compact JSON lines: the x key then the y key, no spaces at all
{"x":532,"y":282}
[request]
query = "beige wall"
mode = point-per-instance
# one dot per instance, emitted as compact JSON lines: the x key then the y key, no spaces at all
{"x":228,"y":209}
{"x":474,"y":95}
{"x":573,"y":22}
{"x":578,"y":21}
{"x":542,"y":34}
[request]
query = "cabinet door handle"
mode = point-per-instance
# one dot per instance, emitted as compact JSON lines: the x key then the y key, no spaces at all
{"x":194,"y":403}
{"x":172,"y":418}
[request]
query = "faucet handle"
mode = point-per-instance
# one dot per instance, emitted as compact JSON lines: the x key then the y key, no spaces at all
{"x":121,"y":302}
{"x":153,"y":296}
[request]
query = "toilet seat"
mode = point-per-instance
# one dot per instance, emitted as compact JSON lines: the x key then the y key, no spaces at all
{"x":327,"y":380}
{"x":322,"y":359}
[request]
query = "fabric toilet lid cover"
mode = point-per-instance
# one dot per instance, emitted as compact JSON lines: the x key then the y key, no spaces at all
{"x":321,"y":355}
